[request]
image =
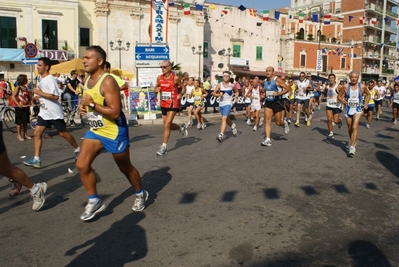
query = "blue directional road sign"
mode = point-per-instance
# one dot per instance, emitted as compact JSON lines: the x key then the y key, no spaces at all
{"x":29,"y":61}
{"x":151,"y":53}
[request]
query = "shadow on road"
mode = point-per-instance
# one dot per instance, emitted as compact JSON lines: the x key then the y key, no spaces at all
{"x":389,"y":161}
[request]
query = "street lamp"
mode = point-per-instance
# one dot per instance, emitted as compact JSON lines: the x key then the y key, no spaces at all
{"x":119,"y":48}
{"x":228,"y":54}
{"x":199,"y":53}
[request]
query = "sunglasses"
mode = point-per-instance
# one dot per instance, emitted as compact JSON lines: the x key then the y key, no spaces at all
{"x":164,"y":67}
{"x":302,"y":76}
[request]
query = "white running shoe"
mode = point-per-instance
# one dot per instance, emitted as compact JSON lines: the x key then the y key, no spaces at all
{"x":203,"y":126}
{"x":286,"y":127}
{"x":220,"y":137}
{"x":234,"y":128}
{"x":91,"y":210}
{"x":162,"y":150}
{"x":198,"y":126}
{"x":352,"y":151}
{"x":395,"y":121}
{"x":248,"y":122}
{"x":368,"y":126}
{"x":38,"y":197}
{"x":139,"y":203}
{"x":266,"y":142}
{"x":255,"y":128}
{"x":289,"y":121}
{"x":183,"y":130}
{"x":261,"y":121}
{"x":330,"y":136}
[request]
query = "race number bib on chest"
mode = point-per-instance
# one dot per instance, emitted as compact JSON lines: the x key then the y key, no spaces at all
{"x":353,"y":102}
{"x":270,"y":94}
{"x":166,"y":96}
{"x":95,"y":121}
{"x":42,"y":103}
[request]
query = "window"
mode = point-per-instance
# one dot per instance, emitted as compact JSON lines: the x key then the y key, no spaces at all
{"x":343,"y":63}
{"x":84,"y":37}
{"x":258,"y":53}
{"x":236,"y":50}
{"x":8,"y":32}
{"x":324,"y":62}
{"x":337,"y":6}
{"x":303,"y":60}
{"x":205,"y":49}
{"x":50,"y":34}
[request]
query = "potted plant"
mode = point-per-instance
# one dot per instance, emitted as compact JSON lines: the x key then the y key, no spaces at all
{"x":333,"y":40}
{"x":299,"y":36}
{"x":310,"y":37}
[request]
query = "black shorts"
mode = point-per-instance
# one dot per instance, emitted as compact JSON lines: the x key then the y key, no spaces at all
{"x":166,"y":110}
{"x":334,"y":110}
{"x":395,"y":105}
{"x":2,"y":146}
{"x":58,"y":124}
{"x":377,"y":103}
{"x":276,"y":106}
{"x":21,"y":115}
{"x":292,"y":101}
{"x":304,"y":102}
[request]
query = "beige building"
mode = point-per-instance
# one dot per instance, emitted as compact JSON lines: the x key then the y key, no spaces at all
{"x":53,"y":28}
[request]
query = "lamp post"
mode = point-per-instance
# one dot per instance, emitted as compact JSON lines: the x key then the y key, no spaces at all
{"x":119,"y":48}
{"x":228,"y":54}
{"x":352,"y":50}
{"x":199,"y":52}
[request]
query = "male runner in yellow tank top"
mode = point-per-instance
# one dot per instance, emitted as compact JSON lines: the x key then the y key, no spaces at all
{"x":108,"y":131}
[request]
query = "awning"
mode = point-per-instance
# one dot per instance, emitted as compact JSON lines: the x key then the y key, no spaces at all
{"x":11,"y":54}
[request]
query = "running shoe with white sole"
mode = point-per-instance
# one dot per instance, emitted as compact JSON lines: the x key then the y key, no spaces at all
{"x":139,"y":203}
{"x":368,"y":125}
{"x":203,"y":126}
{"x":198,"y":126}
{"x":340,"y":123}
{"x":289,"y":121}
{"x":261,"y":121}
{"x":162,"y":150}
{"x":352,"y":151}
{"x":33,"y":163}
{"x":15,"y":188}
{"x":395,"y":121}
{"x":266,"y":142}
{"x":286,"y":127}
{"x":220,"y":137}
{"x":248,"y":122}
{"x":38,"y":197}
{"x":330,"y":136}
{"x":92,"y":209}
{"x":297,"y":124}
{"x":234,"y":128}
{"x":183,"y":130}
{"x":255,"y":128}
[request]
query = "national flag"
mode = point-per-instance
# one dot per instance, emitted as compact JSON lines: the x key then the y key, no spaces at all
{"x":327,"y":19}
{"x":340,"y":17}
{"x":361,"y":20}
{"x":373,"y":21}
{"x":277,"y":15}
{"x":386,"y":19}
{"x":198,"y":7}
{"x":186,"y":9}
{"x":212,"y":7}
{"x":252,"y":12}
{"x":315,"y":18}
{"x":301,"y":15}
{"x":397,"y":22}
{"x":344,"y":54}
{"x":226,"y":10}
{"x":350,"y":18}
{"x":242,"y":8}
{"x":171,"y":4}
{"x":265,"y":14}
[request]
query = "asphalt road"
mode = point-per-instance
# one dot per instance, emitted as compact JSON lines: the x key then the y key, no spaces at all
{"x":300,"y":202}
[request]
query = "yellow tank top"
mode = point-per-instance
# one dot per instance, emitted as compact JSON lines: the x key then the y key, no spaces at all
{"x":292,"y":96}
{"x":197,"y":96}
{"x":372,"y":96}
{"x":100,"y":124}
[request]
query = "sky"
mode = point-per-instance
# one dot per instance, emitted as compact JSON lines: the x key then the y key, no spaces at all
{"x":259,"y":5}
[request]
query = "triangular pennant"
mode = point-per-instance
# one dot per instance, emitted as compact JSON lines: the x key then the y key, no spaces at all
{"x":265,"y":14}
{"x":186,"y":9}
{"x":242,"y":8}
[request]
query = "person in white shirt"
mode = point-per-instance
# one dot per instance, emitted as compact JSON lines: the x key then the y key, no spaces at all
{"x":378,"y":102}
{"x":50,"y":113}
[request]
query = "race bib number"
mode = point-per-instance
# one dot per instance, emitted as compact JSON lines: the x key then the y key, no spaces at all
{"x":166,"y":96}
{"x":197,"y":98}
{"x":301,"y":93}
{"x":353,"y":103}
{"x":270,"y":94}
{"x":95,"y":121}
{"x":255,"y":98}
{"x":332,"y":103}
{"x":42,"y":103}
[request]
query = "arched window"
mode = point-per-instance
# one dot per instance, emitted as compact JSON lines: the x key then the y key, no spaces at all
{"x":302,"y":58}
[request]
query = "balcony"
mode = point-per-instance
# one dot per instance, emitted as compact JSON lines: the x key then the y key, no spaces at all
{"x":392,"y":14}
{"x":374,"y":9}
{"x":388,"y":71}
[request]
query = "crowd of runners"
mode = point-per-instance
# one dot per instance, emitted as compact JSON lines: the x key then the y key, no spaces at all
{"x":285,"y":99}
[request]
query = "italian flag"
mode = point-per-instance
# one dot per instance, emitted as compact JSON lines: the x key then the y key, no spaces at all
{"x":226,"y":10}
{"x":265,"y":15}
{"x":301,"y":15}
{"x":186,"y":9}
{"x":373,"y":21}
{"x":361,"y":20}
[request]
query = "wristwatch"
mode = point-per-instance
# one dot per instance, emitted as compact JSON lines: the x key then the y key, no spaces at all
{"x":92,"y":105}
